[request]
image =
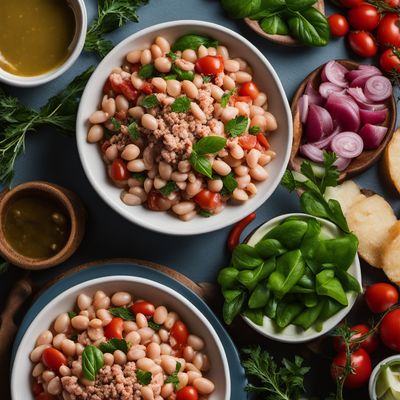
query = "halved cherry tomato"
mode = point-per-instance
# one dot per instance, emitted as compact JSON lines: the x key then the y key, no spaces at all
{"x":187,"y":393}
{"x":45,"y":396}
{"x":370,"y":344}
{"x":381,"y":296}
{"x":392,"y":3}
{"x":362,"y":43}
{"x":124,"y":86}
{"x":249,"y":89}
{"x":114,"y":329}
{"x":388,"y":32}
{"x":119,"y":172}
{"x":208,"y":200}
{"x":389,"y":330}
{"x":263,"y":141}
{"x":350,"y":3}
{"x":180,"y":333}
{"x":338,"y":25}
{"x":244,"y":99}
{"x":390,"y":60}
{"x":364,"y":17}
{"x":147,"y":88}
{"x":143,"y":307}
{"x":247,"y":142}
{"x":53,"y":358}
{"x":152,"y":200}
{"x":210,"y":65}
{"x":37,"y":388}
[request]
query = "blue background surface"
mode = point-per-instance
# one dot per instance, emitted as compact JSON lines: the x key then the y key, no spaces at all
{"x":52,"y":157}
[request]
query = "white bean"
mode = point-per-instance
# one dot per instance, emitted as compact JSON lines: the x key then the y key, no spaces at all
{"x":68,"y":347}
{"x":120,"y":299}
{"x":183,"y":207}
{"x":95,"y":323}
{"x":237,"y":152}
{"x":80,"y":322}
{"x":218,"y":128}
{"x":216,"y":92}
{"x":198,"y":81}
{"x":162,"y":64}
{"x":260,"y":100}
{"x":54,"y":386}
{"x":264,"y":159}
{"x":108,"y":359}
{"x":134,"y":56}
{"x":167,"y":390}
{"x":62,"y":323}
{"x":179,"y":177}
{"x":244,"y":108}
{"x":163,"y":44}
{"x":98,"y":117}
{"x":241,"y":170}
{"x":166,"y":349}
{"x":95,"y":134}
{"x":198,"y":113}
{"x":231,"y":66}
{"x":147,"y":393}
{"x":215,"y":185}
{"x":83,"y":301}
{"x":251,"y":188}
{"x":259,"y":173}
{"x":223,"y":51}
{"x":146,"y":334}
{"x":38,"y":370}
{"x":174,"y":87}
{"x":184,"y":166}
{"x":104,"y":315}
{"x":252,"y":157}
{"x":149,"y":122}
{"x":58,"y":339}
{"x":130,"y":199}
{"x":119,"y":357}
{"x":156,"y":51}
{"x":133,"y":337}
{"x":145,"y":57}
{"x":256,"y":110}
{"x":242,"y":77}
{"x":168,"y":364}
{"x":121,"y":103}
{"x":221,"y":167}
{"x":188,"y":216}
{"x":243,"y":181}
{"x":130,"y":152}
{"x":146,"y":364}
{"x":95,"y":333}
{"x":47,"y":376}
{"x":141,"y":320}
{"x":189,"y":55}
{"x":240,"y":195}
{"x":193,"y":187}
{"x":160,"y":84}
{"x":135,"y":354}
{"x":153,"y":350}
{"x":136,"y":112}
{"x":260,"y":121}
{"x":192,"y":375}
{"x":188,"y":353}
{"x":45,"y":337}
{"x":229,"y":113}
{"x":203,"y":385}
{"x":171,"y":319}
{"x":137,"y":82}
{"x":65,"y":371}
{"x":228,"y":83}
{"x":271,"y":124}
{"x":190,"y":89}
{"x":196,"y":342}
{"x":202,"y":51}
{"x":136,"y":165}
{"x":108,"y":106}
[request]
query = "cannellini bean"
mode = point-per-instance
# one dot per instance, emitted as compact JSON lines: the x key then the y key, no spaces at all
{"x":188,"y":216}
{"x":146,"y":334}
{"x":137,"y":82}
{"x":86,"y":382}
{"x":135,"y":354}
{"x":160,"y":84}
{"x":84,"y":313}
{"x":160,"y":315}
{"x":237,"y":152}
{"x":47,"y":376}
{"x":171,"y":319}
{"x":228,"y":83}
{"x":243,"y":181}
{"x":165,"y":170}
{"x":98,"y":117}
{"x":192,"y":375}
{"x":271,"y":124}
{"x":156,"y":51}
{"x":183,"y":207}
{"x":45,"y":337}
{"x":197,"y":112}
{"x":58,"y":339}
{"x":190,"y":89}
{"x":95,"y":134}
{"x":264,"y":159}
{"x":218,"y":128}
{"x":223,"y":51}
{"x":168,"y":364}
{"x":136,"y":112}
{"x":252,"y":157}
{"x":130,"y":152}
{"x":244,"y":108}
{"x":240,"y":195}
{"x":122,"y":103}
{"x":251,"y":188}
{"x":242,"y":77}
{"x":159,"y":183}
{"x":153,"y":350}
{"x":95,"y":333}
{"x":229,"y":113}
{"x":162,"y":64}
{"x":147,"y":393}
{"x":112,"y":152}
{"x":193,"y":187}
{"x":184,"y":64}
{"x":119,"y":357}
{"x":148,"y":157}
{"x":141,"y":320}
{"x":139,"y":192}
{"x":216,"y":92}
{"x":260,"y":100}
{"x":108,"y":359}
{"x":130,"y":326}
{"x":217,"y":110}
{"x":198,"y":360}
{"x":80,"y":322}
{"x":95,"y":323}
{"x":131,"y":199}
{"x":133,"y":337}
{"x":190,"y":367}
{"x":259,"y":173}
{"x":61,"y":324}
{"x":120,"y":299}
{"x":189,"y":55}
{"x":202,"y":51}
{"x":68,"y":347}
{"x":232,"y":162}
{"x":98,"y":298}
{"x":108,"y":106}
{"x":148,"y":185}
{"x":256,"y":110}
{"x":221,"y":167}
{"x":166,"y":349}
{"x":231,"y":66}
{"x":215,"y":185}
{"x":134,"y":56}
{"x":178,"y":176}
{"x":198,"y":81}
{"x":149,"y":122}
{"x":241,"y":170}
{"x":64,"y":370}
{"x":38,"y":370}
{"x":184,"y":166}
{"x":203,"y":385}
{"x":196,"y":342}
{"x":188,"y":353}
{"x":167,"y":390}
{"x":146,"y":364}
{"x":83,"y":301}
{"x":104,"y":315}
{"x":136,"y":165}
{"x":260,"y":121}
{"x":174,"y":87}
{"x":76,"y":368}
{"x":145,"y":57}
{"x":163,"y":44}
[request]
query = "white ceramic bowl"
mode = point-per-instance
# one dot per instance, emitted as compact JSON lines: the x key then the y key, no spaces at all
{"x":292,"y":333}
{"x":76,"y":46}
{"x":264,"y":76}
{"x":375,"y":373}
{"x":141,"y":288}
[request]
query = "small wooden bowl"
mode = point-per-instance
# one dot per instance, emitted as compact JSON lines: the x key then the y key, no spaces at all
{"x":73,"y":207}
{"x":367,"y":157}
{"x":285,"y":40}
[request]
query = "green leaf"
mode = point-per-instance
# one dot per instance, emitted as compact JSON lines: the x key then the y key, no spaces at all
{"x":245,"y":257}
{"x":232,"y":309}
{"x":143,"y":377}
{"x":122,"y":312}
{"x":150,"y":101}
{"x":140,"y":176}
{"x":92,"y":362}
{"x":227,"y":278}
{"x":72,"y":314}
{"x":237,"y":126}
{"x":254,"y":130}
{"x":172,"y":56}
{"x":274,"y":25}
{"x":114,"y":344}
{"x":133,"y":130}
{"x":182,"y":75}
{"x":207,"y":78}
{"x":116,"y":124}
{"x":255,"y":315}
{"x":168,"y":188}
{"x":153,"y":325}
{"x":288,"y":181}
{"x":239,"y":9}
{"x":181,"y":105}
{"x":230,"y":183}
{"x":169,"y":77}
{"x":267,"y":7}
{"x":174,"y":379}
{"x":328,"y":285}
{"x":209,"y":145}
{"x":226,"y":97}
{"x":298,"y":5}
{"x":290,"y":233}
{"x":146,"y":71}
{"x":201,"y":164}
{"x":192,"y":41}
{"x":337,"y":215}
{"x":205,"y":213}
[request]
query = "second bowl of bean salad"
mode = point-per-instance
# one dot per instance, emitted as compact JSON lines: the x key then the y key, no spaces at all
{"x":120,"y":338}
{"x":184,"y":128}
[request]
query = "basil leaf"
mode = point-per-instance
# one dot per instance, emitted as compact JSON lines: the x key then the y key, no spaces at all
{"x":254,"y":130}
{"x":310,"y":27}
{"x":182,"y":75}
{"x":201,"y":164}
{"x":168,"y":188}
{"x":174,"y":377}
{"x":181,"y":104}
{"x":232,"y":309}
{"x":192,"y":41}
{"x":143,"y":377}
{"x":328,"y":285}
{"x":122,"y":312}
{"x":140,"y":176}
{"x":146,"y":71}
{"x":237,"y":126}
{"x":209,"y":145}
{"x":205,"y":213}
{"x":268,"y":7}
{"x":92,"y":362}
{"x":239,"y":9}
{"x":72,"y":314}
{"x":114,"y":344}
{"x":207,"y":78}
{"x":172,"y":56}
{"x":153,"y":325}
{"x":116,"y":124}
{"x":274,"y":25}
{"x":298,"y":5}
{"x":245,"y":257}
{"x":150,"y":101}
{"x":226,"y":97}
{"x":169,"y":77}
{"x":133,"y":130}
{"x":230,"y":183}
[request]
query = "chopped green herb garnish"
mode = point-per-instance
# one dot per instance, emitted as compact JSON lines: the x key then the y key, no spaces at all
{"x":143,"y":377}
{"x":237,"y":126}
{"x":181,"y":105}
{"x":153,"y":325}
{"x":174,"y":377}
{"x":226,"y":97}
{"x":116,"y":124}
{"x":182,"y":75}
{"x":146,"y":71}
{"x":72,"y":314}
{"x":172,"y":56}
{"x":133,"y":130}
{"x":254,"y":130}
{"x":74,"y":337}
{"x":150,"y":101}
{"x":170,"y":77}
{"x":114,"y":344}
{"x":205,"y":213}
{"x":207,"y":78}
{"x":168,"y":188}
{"x":122,"y":312}
{"x":230,"y":183}
{"x":140,"y":176}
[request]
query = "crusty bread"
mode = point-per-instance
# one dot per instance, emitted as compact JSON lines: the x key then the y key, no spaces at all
{"x":391,"y":160}
{"x":391,"y":254}
{"x":346,"y":194}
{"x":371,"y":219}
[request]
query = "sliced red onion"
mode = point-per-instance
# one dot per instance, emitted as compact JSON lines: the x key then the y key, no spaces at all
{"x":357,"y":94}
{"x":373,"y":117}
{"x":344,"y":112}
{"x":312,"y":152}
{"x":371,"y":107}
{"x":360,"y":81}
{"x":325,"y":142}
{"x":342,"y":163}
{"x":335,"y":72}
{"x":362,"y":72}
{"x":378,"y":88}
{"x":303,"y":108}
{"x":347,"y":144}
{"x":326,"y":88}
{"x":319,"y":123}
{"x":372,"y":135}
{"x":313,"y":96}
{"x":371,"y":68}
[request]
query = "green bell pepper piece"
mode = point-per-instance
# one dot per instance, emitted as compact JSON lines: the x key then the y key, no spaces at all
{"x":259,"y":297}
{"x":269,"y":248}
{"x":289,"y":233}
{"x":270,"y":308}
{"x":308,"y":317}
{"x":257,"y":316}
{"x":227,"y":278}
{"x":245,"y":257}
{"x":328,"y":285}
{"x":287,"y":311}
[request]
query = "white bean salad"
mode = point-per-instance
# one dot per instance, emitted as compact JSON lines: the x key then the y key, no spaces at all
{"x":117,"y":348}
{"x":184,"y":128}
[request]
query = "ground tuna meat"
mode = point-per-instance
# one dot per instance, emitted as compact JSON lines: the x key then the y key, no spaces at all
{"x":112,"y":383}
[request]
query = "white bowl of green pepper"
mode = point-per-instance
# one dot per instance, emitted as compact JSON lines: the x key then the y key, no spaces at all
{"x":294,"y":279}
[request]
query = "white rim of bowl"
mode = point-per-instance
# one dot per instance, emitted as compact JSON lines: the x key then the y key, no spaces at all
{"x":81,"y":142}
{"x":23,"y":357}
{"x":375,"y":373}
{"x":30,"y":81}
{"x":341,"y":313}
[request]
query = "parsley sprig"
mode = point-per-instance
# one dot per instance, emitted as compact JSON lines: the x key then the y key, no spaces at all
{"x":237,"y":126}
{"x":173,"y":378}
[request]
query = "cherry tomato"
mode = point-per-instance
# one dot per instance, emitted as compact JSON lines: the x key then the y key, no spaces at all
{"x":152,"y":200}
{"x":392,"y":3}
{"x":147,"y":88}
{"x":210,"y":65}
{"x":45,"y":396}
{"x":119,"y":172}
{"x":114,"y":329}
{"x":361,"y":363}
{"x":187,"y":393}
{"x":364,"y":17}
{"x":208,"y":200}
{"x":381,"y":296}
{"x":37,"y":388}
{"x":388,"y":32}
{"x":390,"y":330}
{"x":135,"y":67}
{"x":180,"y":333}
{"x":53,"y":358}
{"x":247,"y":142}
{"x":143,"y":307}
{"x":362,"y":43}
{"x":244,"y":99}
{"x":390,"y":60}
{"x":338,"y":25}
{"x":263,"y":140}
{"x":249,"y":89}
{"x":350,"y":3}
{"x":124,"y":86}
{"x":370,"y":344}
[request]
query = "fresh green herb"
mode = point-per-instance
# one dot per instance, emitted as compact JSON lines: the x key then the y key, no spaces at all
{"x":312,"y":200}
{"x":116,"y":124}
{"x":17,"y":120}
{"x":237,"y":126}
{"x":274,"y":24}
{"x":181,"y":105}
{"x":239,"y":9}
{"x":72,"y":314}
{"x":133,"y":130}
{"x":143,"y":377}
{"x":170,"y":77}
{"x":284,"y":382}
{"x":114,"y":344}
{"x":182,"y":75}
{"x":111,"y":15}
{"x":92,"y":362}
{"x":150,"y":101}
{"x":172,"y":56}
{"x":4,"y":265}
{"x":207,"y":78}
{"x":140,"y":176}
{"x":205,"y":213}
{"x":201,"y":164}
{"x":74,"y":337}
{"x":174,"y":377}
{"x":254,"y":130}
{"x":153,"y":325}
{"x":226,"y":97}
{"x":230,"y":184}
{"x":146,"y":71}
{"x":191,"y":41}
{"x":168,"y":188}
{"x":122,"y":312}
{"x":231,"y":309}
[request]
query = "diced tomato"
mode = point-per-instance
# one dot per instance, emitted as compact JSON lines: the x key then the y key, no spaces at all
{"x":107,"y":88}
{"x":143,"y":307}
{"x":210,"y":65}
{"x":247,"y":142}
{"x":37,"y":388}
{"x":135,"y":67}
{"x":147,"y":88}
{"x":249,"y":89}
{"x":208,"y":200}
{"x":259,"y":147}
{"x":124,"y":86}
{"x":119,"y":172}
{"x":53,"y":358}
{"x":180,"y":333}
{"x":120,"y":115}
{"x":263,"y":140}
{"x":45,"y":396}
{"x":114,"y":329}
{"x":106,"y":144}
{"x":152,"y":200}
{"x":244,"y":99}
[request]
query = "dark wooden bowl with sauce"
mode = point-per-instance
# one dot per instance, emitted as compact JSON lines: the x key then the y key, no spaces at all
{"x":42,"y":224}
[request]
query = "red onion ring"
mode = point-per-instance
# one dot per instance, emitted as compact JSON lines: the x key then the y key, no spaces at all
{"x":335,"y":72}
{"x":312,"y":152}
{"x":347,"y":144}
{"x":378,"y":88}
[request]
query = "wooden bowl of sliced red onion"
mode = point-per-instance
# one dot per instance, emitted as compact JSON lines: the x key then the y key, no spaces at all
{"x":347,"y":108}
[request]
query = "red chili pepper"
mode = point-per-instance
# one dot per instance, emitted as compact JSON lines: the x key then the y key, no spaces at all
{"x":234,"y":234}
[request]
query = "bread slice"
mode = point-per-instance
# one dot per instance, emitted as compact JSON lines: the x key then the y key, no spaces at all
{"x":371,"y":219}
{"x":391,"y":254}
{"x":346,"y":194}
{"x":391,"y":160}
